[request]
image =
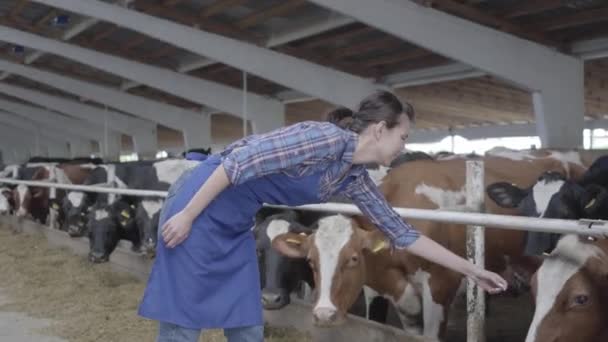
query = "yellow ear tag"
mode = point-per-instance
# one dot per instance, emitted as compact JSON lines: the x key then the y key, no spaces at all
{"x":125,"y":214}
{"x":55,"y":206}
{"x":294,"y":241}
{"x":590,"y":204}
{"x":380,"y":245}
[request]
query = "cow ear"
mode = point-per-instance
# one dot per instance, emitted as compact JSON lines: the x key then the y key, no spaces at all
{"x":506,"y":195}
{"x":374,"y":241}
{"x":292,"y":245}
{"x":594,"y":199}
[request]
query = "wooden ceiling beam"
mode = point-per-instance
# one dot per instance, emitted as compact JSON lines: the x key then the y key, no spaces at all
{"x":105,"y":33}
{"x":367,"y":46}
{"x":164,"y":51}
{"x":330,"y":38}
{"x":219,"y":6}
{"x":577,"y":19}
{"x":140,"y":39}
{"x":208,"y":24}
{"x":259,"y":16}
{"x":48,"y":16}
{"x":482,"y":17}
{"x":530,"y":7}
{"x":397,"y":57}
{"x":16,"y":10}
{"x":352,"y":68}
{"x":171,"y":3}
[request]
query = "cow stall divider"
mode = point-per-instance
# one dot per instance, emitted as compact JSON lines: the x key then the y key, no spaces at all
{"x":473,"y":218}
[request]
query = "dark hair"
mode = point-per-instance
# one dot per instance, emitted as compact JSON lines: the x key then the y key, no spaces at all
{"x":379,"y":106}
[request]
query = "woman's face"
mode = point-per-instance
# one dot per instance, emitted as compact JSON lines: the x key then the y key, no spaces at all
{"x":391,"y":140}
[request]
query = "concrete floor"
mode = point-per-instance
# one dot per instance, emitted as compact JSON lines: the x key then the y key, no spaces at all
{"x":18,"y":327}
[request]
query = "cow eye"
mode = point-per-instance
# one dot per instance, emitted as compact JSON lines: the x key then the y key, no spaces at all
{"x":353,"y":261}
{"x":580,"y":300}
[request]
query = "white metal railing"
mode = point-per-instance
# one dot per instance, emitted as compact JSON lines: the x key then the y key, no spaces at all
{"x":585,"y":227}
{"x":475,"y":238}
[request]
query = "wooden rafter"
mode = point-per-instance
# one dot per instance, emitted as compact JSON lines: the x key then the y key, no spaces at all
{"x":105,"y":33}
{"x":337,"y":36}
{"x":16,"y":11}
{"x":171,"y":3}
{"x":530,"y":7}
{"x":366,"y":46}
{"x":427,"y":61}
{"x":259,"y":16}
{"x":219,"y":6}
{"x":397,"y":57}
{"x":138,"y":40}
{"x":164,"y":51}
{"x":572,"y":20}
{"x":48,"y":16}
{"x":352,"y":68}
{"x":207,"y":24}
{"x":481,"y":17}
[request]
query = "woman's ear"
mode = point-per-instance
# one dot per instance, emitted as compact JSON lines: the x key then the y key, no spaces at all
{"x":379,"y":129}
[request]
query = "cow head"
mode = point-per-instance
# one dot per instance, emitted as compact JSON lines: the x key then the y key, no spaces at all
{"x":6,"y":201}
{"x":147,"y":217}
{"x":23,"y":198}
{"x":571,"y":293}
{"x":76,"y":205}
{"x":336,"y":253}
{"x":107,"y":225}
{"x":552,"y":197}
{"x":280,"y":274}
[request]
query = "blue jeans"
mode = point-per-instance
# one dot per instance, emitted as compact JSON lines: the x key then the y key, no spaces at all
{"x":168,"y":332}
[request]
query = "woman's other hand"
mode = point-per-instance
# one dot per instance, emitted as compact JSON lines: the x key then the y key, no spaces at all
{"x":177,"y":229}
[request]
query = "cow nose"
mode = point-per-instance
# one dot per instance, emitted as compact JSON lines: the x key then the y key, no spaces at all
{"x":74,"y":230}
{"x":271,"y":298}
{"x":97,"y":257}
{"x":325,"y":315}
{"x":21,"y":213}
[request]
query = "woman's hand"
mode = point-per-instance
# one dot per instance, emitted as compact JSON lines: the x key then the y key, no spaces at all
{"x":177,"y":229}
{"x":489,"y":281}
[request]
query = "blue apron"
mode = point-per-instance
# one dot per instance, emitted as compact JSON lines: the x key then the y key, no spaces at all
{"x":211,"y":280}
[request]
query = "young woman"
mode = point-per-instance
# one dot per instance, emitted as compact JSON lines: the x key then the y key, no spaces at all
{"x":206,"y":273}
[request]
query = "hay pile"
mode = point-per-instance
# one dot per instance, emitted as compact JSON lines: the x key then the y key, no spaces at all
{"x":87,"y":302}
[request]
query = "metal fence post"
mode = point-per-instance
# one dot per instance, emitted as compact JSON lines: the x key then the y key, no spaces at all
{"x":476,"y":304}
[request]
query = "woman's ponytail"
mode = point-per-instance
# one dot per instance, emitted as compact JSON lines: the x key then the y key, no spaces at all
{"x":341,"y":116}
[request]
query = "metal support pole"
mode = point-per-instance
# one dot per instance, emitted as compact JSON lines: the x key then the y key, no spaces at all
{"x":244,"y":103}
{"x":476,"y":304}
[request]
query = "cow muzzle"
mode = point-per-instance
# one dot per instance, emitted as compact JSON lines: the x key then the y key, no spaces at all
{"x":274,"y":300}
{"x":75,"y":230}
{"x":21,"y":212}
{"x":325,"y":317}
{"x":96,"y":257}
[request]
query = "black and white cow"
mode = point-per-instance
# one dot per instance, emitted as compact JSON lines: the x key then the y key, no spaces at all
{"x":6,"y":201}
{"x":107,"y":225}
{"x":139,"y":214}
{"x":552,"y":196}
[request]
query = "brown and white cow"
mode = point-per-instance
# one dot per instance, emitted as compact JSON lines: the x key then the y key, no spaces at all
{"x":571,"y":286}
{"x":34,"y":201}
{"x":345,"y":253}
{"x":571,"y":291}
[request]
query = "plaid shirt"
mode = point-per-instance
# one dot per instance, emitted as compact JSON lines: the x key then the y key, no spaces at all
{"x":308,"y":147}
